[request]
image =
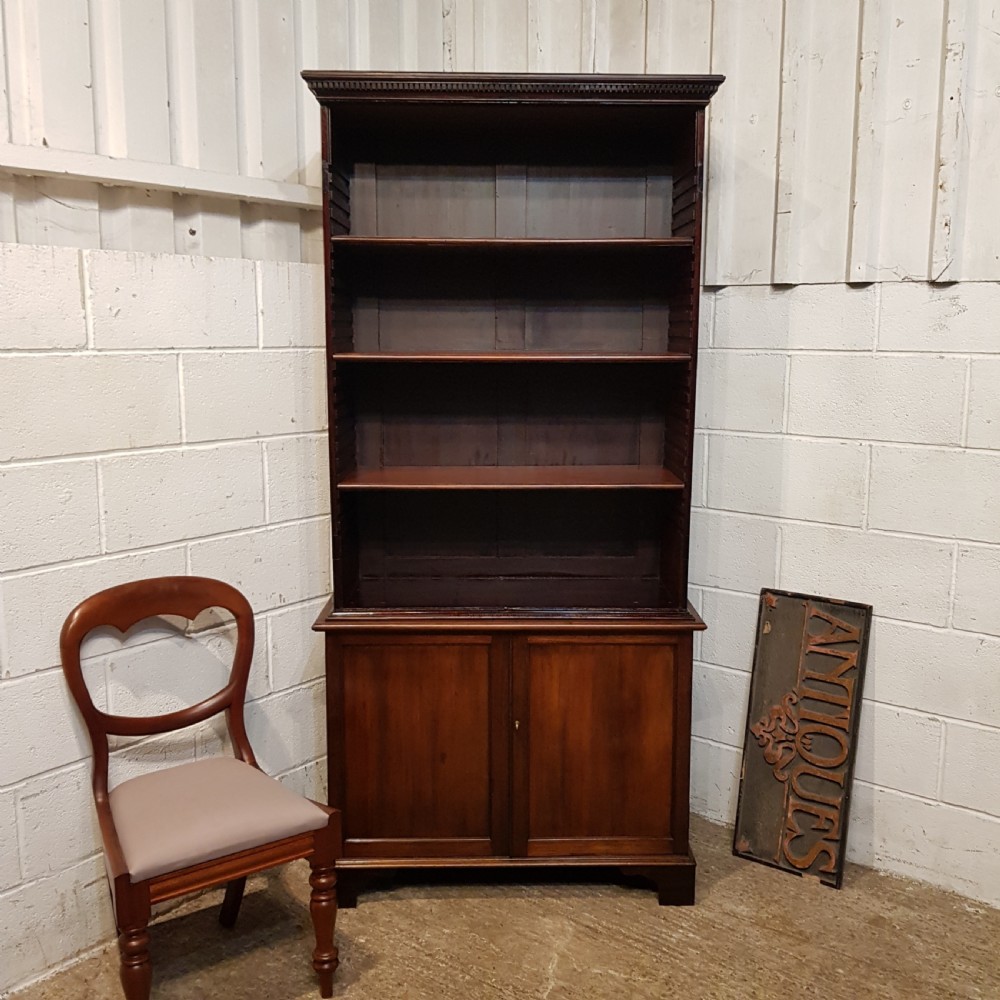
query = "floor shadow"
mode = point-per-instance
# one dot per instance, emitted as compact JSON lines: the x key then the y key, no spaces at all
{"x":273,"y":935}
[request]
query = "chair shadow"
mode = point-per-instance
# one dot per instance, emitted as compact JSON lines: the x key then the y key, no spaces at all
{"x":267,"y":954}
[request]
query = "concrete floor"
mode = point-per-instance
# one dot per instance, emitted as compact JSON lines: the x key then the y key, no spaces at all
{"x":755,"y":934}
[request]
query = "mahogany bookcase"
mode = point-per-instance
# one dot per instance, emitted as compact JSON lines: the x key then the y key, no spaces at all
{"x":512,"y":318}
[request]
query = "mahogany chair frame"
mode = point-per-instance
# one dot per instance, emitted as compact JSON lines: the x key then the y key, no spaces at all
{"x":186,"y":596}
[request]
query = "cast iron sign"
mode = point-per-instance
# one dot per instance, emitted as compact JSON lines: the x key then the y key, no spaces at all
{"x":802,"y":726}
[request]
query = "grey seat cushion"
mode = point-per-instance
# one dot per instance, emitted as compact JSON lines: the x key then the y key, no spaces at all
{"x":197,"y":812}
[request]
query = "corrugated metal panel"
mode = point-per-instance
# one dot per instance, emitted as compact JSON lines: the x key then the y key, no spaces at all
{"x":458,"y":20}
{"x":743,"y":145}
{"x":966,"y":242}
{"x":49,"y":73}
{"x":203,"y":120}
{"x":898,"y":106}
{"x":266,"y":67}
{"x":51,"y":210}
{"x":555,"y":36}
{"x":501,"y":36}
{"x":815,"y":141}
{"x":854,"y":141}
{"x":131,"y":97}
{"x":4,"y":95}
{"x":132,"y":117}
{"x":678,"y":36}
{"x":50,"y":104}
{"x":616,"y":41}
{"x":8,"y":223}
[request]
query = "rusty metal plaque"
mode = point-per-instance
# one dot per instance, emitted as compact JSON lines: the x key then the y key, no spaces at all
{"x":801,"y":734}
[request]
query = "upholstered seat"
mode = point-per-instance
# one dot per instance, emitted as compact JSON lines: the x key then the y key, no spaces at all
{"x":184,"y":815}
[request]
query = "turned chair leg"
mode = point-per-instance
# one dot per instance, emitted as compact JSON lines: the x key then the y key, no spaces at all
{"x":231,"y":904}
{"x":136,"y":968}
{"x":323,"y":907}
{"x":132,"y":917}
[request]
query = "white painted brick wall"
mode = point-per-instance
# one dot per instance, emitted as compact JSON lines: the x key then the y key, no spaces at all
{"x":984,"y":402}
{"x":36,"y":602}
{"x":701,"y":465}
{"x":821,"y":317}
{"x":947,"y":845}
{"x":941,"y":671}
{"x":291,"y":305}
{"x":858,"y":458}
{"x":732,"y":550}
{"x":846,"y":447}
{"x":805,"y":480}
{"x":905,"y":578}
{"x":977,"y":589}
{"x":10,"y":862}
{"x":899,"y":749}
{"x":148,"y":301}
{"x":136,"y":757}
{"x":296,"y":652}
{"x":39,"y":727}
{"x":272,"y":566}
{"x":297,"y":482}
{"x":955,"y":318}
{"x":741,"y":391}
{"x":869,"y":397}
{"x":159,"y":414}
{"x":718,"y":709}
{"x":285,"y":728}
{"x":177,"y":671}
{"x":715,"y":779}
{"x":731,"y":646}
{"x":966,"y":782}
{"x":44,"y":921}
{"x":244,"y":394}
{"x":46,"y":847}
{"x":308,"y":780}
{"x":58,"y":405}
{"x":49,"y":512}
{"x":934,"y":491}
{"x":29,"y":321}
{"x":152,"y":498}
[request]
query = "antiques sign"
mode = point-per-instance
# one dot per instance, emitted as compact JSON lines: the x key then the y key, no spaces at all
{"x":802,"y":726}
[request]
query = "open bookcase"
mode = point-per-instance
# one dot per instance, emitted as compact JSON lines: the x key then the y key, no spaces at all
{"x":512,"y":305}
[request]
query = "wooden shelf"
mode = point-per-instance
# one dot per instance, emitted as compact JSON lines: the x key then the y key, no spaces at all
{"x":513,"y":477}
{"x":491,"y":357}
{"x":513,"y":619}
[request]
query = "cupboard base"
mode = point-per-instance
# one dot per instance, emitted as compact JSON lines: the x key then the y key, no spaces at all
{"x":673,"y":878}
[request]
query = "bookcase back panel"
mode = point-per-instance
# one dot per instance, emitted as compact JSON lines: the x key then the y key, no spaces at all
{"x":600,"y":203}
{"x":585,"y":326}
{"x":411,"y":132}
{"x":545,"y":414}
{"x":518,"y":549}
{"x":478,"y":299}
{"x":510,"y":201}
{"x":413,"y":326}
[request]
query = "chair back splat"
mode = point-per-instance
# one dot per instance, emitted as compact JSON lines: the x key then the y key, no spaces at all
{"x":124,"y":606}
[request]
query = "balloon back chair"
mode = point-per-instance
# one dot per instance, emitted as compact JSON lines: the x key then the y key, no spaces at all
{"x":199,"y":824}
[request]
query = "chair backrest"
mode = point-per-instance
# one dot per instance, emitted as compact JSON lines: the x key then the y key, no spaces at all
{"x":122,"y":607}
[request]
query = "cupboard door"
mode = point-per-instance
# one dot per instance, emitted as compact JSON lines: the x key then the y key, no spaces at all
{"x":418,"y":744}
{"x":596,"y":771}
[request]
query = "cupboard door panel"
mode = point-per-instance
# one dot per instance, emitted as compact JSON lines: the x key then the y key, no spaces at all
{"x":594,"y":759}
{"x":413,"y":760}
